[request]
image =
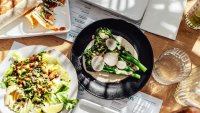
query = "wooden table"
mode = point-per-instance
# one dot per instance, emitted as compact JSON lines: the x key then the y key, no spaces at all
{"x":187,"y":39}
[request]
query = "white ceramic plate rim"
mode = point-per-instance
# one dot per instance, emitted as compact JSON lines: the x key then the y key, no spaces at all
{"x":30,"y":50}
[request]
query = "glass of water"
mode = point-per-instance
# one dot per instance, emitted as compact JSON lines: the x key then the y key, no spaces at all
{"x":172,"y":66}
{"x":188,"y":91}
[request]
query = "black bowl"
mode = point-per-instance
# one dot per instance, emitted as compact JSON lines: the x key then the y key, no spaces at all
{"x":126,"y":87}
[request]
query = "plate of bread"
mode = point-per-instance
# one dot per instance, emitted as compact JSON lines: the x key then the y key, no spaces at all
{"x":23,"y":18}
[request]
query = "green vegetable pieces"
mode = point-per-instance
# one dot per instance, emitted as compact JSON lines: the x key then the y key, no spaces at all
{"x":108,"y":55}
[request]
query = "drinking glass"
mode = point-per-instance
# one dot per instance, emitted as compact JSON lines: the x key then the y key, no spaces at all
{"x":172,"y":66}
{"x":193,"y":16}
{"x":188,"y":90}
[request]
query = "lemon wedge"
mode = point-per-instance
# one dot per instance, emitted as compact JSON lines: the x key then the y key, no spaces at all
{"x":55,"y":108}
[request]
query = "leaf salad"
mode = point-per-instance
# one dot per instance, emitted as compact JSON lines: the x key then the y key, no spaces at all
{"x":37,"y":84}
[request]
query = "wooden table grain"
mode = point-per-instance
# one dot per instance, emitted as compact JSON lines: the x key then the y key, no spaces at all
{"x":187,"y":39}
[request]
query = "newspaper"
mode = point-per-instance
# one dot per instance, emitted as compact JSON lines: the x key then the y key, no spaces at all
{"x":138,"y":103}
{"x":83,"y":14}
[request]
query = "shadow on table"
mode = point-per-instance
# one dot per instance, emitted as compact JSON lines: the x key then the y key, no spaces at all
{"x":163,"y":92}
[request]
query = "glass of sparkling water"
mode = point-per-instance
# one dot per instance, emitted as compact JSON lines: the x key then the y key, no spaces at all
{"x":172,"y":66}
{"x":188,"y":90}
{"x":193,"y":16}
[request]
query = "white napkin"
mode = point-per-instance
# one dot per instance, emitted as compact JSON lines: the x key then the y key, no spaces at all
{"x":163,"y":17}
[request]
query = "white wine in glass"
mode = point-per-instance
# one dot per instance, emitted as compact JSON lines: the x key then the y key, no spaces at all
{"x":193,"y":16}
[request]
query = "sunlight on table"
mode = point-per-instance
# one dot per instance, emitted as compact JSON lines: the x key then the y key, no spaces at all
{"x":196,"y":47}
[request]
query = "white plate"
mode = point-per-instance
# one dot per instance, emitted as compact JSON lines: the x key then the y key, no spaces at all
{"x":30,"y":50}
{"x":22,"y":28}
{"x":85,"y":106}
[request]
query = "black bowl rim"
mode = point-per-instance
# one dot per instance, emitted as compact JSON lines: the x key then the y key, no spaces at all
{"x":135,"y":27}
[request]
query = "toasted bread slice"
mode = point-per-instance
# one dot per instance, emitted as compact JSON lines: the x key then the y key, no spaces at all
{"x":10,"y":10}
